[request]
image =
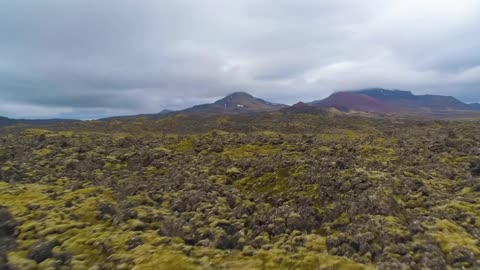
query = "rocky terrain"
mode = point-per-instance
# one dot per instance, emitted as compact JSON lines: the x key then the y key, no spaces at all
{"x":282,"y":190}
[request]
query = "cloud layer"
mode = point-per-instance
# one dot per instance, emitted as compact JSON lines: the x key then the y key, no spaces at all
{"x":90,"y":58}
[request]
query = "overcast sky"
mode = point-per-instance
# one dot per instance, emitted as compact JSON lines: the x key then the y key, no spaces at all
{"x":91,"y":58}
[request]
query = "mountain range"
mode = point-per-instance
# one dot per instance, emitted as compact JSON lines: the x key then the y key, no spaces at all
{"x":378,"y":100}
{"x":348,"y":101}
{"x":406,"y":100}
{"x":372,"y":100}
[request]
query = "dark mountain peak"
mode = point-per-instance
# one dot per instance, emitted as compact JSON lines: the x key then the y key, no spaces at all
{"x":165,"y":111}
{"x":300,"y":105}
{"x":235,"y":103}
{"x":236,"y":98}
{"x":241,"y":100}
{"x":239,"y":94}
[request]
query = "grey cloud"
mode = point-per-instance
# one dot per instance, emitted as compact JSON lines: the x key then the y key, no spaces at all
{"x":97,"y":58}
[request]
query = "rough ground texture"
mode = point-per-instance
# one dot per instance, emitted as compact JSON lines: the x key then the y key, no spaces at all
{"x":275,"y":191}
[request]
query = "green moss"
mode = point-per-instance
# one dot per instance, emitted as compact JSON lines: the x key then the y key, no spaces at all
{"x":378,"y":153}
{"x":268,"y":183}
{"x":136,"y":225}
{"x":290,"y":170}
{"x":278,"y":259}
{"x":322,"y":150}
{"x":67,"y":134}
{"x":343,"y":220}
{"x":185,"y":146}
{"x":250,"y":150}
{"x":451,"y":236}
{"x":452,"y":160}
{"x":163,"y":259}
{"x":162,"y":150}
{"x":42,"y":152}
{"x":36,"y":132}
{"x":18,"y":260}
{"x":341,"y":135}
{"x":233,"y":170}
{"x":316,"y":243}
{"x":393,"y":226}
{"x":218,"y":179}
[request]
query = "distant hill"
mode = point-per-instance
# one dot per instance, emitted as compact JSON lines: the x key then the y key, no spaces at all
{"x":381,"y":100}
{"x":349,"y":101}
{"x":474,"y":106}
{"x":151,"y":115}
{"x":305,"y":108}
{"x":4,"y":121}
{"x":235,"y":103}
{"x":165,"y":111}
{"x":407,"y":100}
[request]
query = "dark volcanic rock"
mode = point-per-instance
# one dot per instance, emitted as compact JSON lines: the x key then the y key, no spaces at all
{"x":42,"y":251}
{"x":7,"y":239}
{"x":475,"y":168}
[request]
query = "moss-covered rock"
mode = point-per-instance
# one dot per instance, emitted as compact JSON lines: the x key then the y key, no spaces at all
{"x":272,"y":191}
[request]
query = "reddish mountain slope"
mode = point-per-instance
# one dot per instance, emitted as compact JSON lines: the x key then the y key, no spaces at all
{"x":407,"y":100}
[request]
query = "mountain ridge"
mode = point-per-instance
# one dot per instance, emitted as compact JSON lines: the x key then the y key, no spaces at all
{"x":5,"y":121}
{"x":392,"y":101}
{"x":407,"y":99}
{"x":348,"y":101}
{"x":371,"y":100}
{"x":474,"y":106}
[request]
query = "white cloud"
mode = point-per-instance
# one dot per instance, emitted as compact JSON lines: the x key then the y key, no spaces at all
{"x":122,"y":56}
